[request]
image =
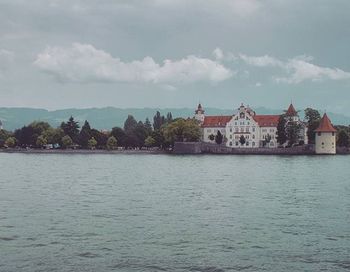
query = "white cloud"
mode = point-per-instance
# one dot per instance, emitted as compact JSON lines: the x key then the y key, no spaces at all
{"x":262,"y":61}
{"x":298,"y":69}
{"x":218,"y":54}
{"x":84,"y":63}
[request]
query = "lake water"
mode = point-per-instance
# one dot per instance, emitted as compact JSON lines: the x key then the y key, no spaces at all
{"x":174,"y":213}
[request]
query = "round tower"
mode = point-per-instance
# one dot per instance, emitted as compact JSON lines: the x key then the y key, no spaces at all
{"x":199,"y":113}
{"x":325,"y":142}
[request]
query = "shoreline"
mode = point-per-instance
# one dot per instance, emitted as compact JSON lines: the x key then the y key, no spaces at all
{"x":158,"y":152}
{"x":81,"y":151}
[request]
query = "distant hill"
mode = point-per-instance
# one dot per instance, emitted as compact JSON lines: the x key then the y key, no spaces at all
{"x":106,"y":118}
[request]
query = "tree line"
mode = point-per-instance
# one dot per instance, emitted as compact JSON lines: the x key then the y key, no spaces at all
{"x":161,"y":133}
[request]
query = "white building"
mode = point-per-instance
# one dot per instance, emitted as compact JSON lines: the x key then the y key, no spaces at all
{"x":245,"y":128}
{"x":325,"y":137}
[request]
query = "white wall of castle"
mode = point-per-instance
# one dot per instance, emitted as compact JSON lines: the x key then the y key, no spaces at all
{"x":244,"y":124}
{"x":325,"y":143}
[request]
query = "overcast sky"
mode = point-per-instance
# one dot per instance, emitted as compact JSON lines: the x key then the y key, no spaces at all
{"x":173,"y":53}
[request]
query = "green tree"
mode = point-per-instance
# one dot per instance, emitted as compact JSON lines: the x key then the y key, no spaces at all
{"x":26,"y":136}
{"x":148,"y":127}
{"x":39,"y":127}
{"x":158,"y":121}
{"x":92,"y":143}
{"x":169,"y":117}
{"x":85,"y":135}
{"x":10,"y":142}
{"x":343,"y":139}
{"x":100,"y":137}
{"x":267,"y":139}
{"x":292,"y":132}
{"x":120,"y":135}
{"x":140,"y":134}
{"x":53,"y":135}
{"x":150,"y":141}
{"x":281,"y":130}
{"x":242,"y":140}
{"x":312,"y":118}
{"x":67,"y":141}
{"x":112,"y":143}
{"x":71,"y":128}
{"x":41,"y":141}
{"x":130,"y":124}
{"x":158,"y":136}
{"x":4,"y":135}
{"x":219,"y":137}
{"x":182,"y":130}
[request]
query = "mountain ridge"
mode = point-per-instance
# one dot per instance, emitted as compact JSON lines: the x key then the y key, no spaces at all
{"x":108,"y":117}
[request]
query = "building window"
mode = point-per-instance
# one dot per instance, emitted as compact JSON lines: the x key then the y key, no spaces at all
{"x":319,"y":134}
{"x":230,"y":129}
{"x":242,"y":129}
{"x":230,"y":143}
{"x":247,"y":129}
{"x":236,"y":143}
{"x":253,"y":136}
{"x":230,"y":136}
{"x":247,"y":143}
{"x":253,"y":143}
{"x":332,"y":133}
{"x":253,"y":129}
{"x":236,"y":129}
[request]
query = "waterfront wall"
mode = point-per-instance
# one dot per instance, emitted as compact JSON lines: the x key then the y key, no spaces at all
{"x":208,"y":148}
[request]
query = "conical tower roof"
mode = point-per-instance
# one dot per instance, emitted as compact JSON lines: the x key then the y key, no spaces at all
{"x":291,"y":111}
{"x":325,"y":125}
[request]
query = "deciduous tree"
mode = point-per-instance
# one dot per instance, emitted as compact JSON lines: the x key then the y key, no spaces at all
{"x":312,"y":118}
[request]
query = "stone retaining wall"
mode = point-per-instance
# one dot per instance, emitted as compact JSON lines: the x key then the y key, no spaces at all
{"x":207,"y":148}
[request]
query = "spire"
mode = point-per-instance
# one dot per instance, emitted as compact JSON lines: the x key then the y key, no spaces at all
{"x":325,"y":125}
{"x":291,"y":110}
{"x":199,"y":109}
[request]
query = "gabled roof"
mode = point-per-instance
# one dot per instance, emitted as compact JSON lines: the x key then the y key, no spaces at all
{"x":325,"y":125}
{"x":216,"y":121}
{"x":291,"y":111}
{"x":267,"y":120}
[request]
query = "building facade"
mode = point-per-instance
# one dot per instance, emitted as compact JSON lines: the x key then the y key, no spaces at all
{"x":245,"y":128}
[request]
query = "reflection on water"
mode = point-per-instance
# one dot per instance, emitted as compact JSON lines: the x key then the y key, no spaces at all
{"x":174,"y":213}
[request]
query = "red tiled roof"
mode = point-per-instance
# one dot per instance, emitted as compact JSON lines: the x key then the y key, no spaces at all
{"x":291,"y":111}
{"x":325,"y":125}
{"x":267,"y":120}
{"x":216,"y":121}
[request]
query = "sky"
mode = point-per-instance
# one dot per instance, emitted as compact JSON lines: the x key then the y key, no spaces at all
{"x":57,"y":54}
